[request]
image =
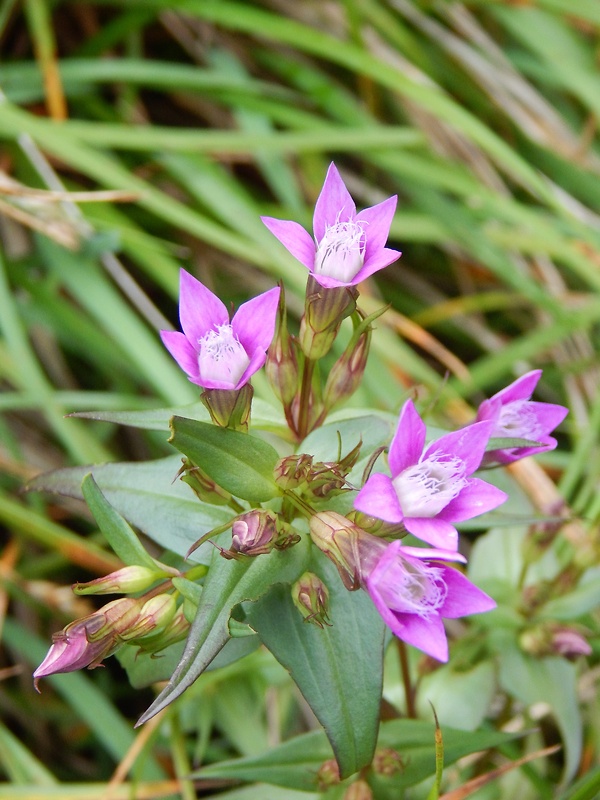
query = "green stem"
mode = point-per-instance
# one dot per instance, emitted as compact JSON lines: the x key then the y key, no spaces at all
{"x":308,"y":370}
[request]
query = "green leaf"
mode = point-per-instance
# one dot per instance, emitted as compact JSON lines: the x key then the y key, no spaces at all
{"x":119,"y":534}
{"x":227,"y":584}
{"x":149,"y":498}
{"x":294,"y":764}
{"x":144,"y":669}
{"x":552,"y":681}
{"x":337,"y":668}
{"x":239,"y":462}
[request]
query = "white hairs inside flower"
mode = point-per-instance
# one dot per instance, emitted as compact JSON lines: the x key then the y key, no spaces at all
{"x":426,"y":488}
{"x":222,"y":357}
{"x":341,"y":252}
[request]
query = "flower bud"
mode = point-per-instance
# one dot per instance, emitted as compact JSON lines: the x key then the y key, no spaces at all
{"x":339,"y":539}
{"x":311,"y":598}
{"x":387,"y":762}
{"x":282,"y":360}
{"x":292,"y":471}
{"x":176,"y":630}
{"x":229,"y":408}
{"x":324,"y":311}
{"x":153,"y":617}
{"x":124,"y":581}
{"x":328,"y":775}
{"x":202,"y":485}
{"x":254,"y":533}
{"x":87,"y":641}
{"x":553,"y":639}
{"x":359,"y":790}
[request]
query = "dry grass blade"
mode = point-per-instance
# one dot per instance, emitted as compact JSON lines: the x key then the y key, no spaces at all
{"x":482,"y":780}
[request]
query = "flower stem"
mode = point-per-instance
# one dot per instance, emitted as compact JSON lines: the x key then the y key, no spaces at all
{"x":409,"y":694}
{"x":305,"y":392}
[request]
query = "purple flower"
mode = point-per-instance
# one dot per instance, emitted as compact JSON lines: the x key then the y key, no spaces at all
{"x":413,"y":591}
{"x":214,"y":352}
{"x":431,"y":488}
{"x":515,"y":415}
{"x":348,"y":247}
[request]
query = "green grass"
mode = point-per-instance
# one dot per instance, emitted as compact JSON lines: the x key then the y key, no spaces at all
{"x":481,"y":116}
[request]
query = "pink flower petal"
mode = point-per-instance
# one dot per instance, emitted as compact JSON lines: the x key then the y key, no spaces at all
{"x":476,"y":498}
{"x":521,"y":389}
{"x":378,"y":498}
{"x":427,"y":635}
{"x":257,"y":361}
{"x":407,"y":445}
{"x":463,"y":597}
{"x":333,"y":205}
{"x":468,"y":444}
{"x":433,"y":530}
{"x":429,"y":553}
{"x":379,"y":219}
{"x":254,"y":321}
{"x":294,"y":238}
{"x":380,"y":259}
{"x":200,"y":310}
{"x":183,"y":352}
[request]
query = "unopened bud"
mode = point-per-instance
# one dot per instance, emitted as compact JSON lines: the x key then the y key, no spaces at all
{"x":387,"y":762}
{"x":553,"y":639}
{"x":202,"y":485}
{"x":254,"y":533}
{"x":124,"y":581}
{"x":347,"y":372}
{"x":177,"y":629}
{"x":328,"y":775}
{"x":292,"y":471}
{"x":359,"y":790}
{"x":282,"y":359}
{"x":324,"y":311}
{"x":336,"y":536}
{"x":154,"y":616}
{"x":311,"y":598}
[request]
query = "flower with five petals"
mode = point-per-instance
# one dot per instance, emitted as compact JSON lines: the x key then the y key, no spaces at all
{"x":431,"y":487}
{"x":217,"y":353}
{"x":515,"y":415}
{"x":348,"y":247}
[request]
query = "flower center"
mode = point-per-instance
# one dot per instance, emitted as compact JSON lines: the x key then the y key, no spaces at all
{"x":341,"y":251}
{"x":222,"y":358}
{"x":518,"y":419}
{"x":427,"y":487}
{"x":411,"y":587}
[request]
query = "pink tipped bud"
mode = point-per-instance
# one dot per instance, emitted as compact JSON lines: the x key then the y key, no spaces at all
{"x":340,"y":540}
{"x":553,"y":639}
{"x":254,"y":533}
{"x":311,"y":598}
{"x":282,"y":359}
{"x":124,"y":581}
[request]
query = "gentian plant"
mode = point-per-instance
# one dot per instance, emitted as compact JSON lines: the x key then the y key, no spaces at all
{"x":323,"y":540}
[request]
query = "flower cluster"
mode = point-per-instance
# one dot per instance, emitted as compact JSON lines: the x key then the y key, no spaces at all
{"x":426,"y":489}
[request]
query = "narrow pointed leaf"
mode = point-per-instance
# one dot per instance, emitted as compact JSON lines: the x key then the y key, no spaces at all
{"x":227,"y":585}
{"x":117,"y":531}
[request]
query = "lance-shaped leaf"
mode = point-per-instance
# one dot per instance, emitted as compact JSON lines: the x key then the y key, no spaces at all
{"x":239,"y":462}
{"x":228,"y":583}
{"x":294,"y":764}
{"x":149,"y":497}
{"x":338,"y":668}
{"x":119,"y":534}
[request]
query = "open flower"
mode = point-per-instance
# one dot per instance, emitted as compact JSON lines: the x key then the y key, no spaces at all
{"x":431,"y":489}
{"x":348,"y":247}
{"x":214,"y":352}
{"x":413,"y":590}
{"x":515,"y":415}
